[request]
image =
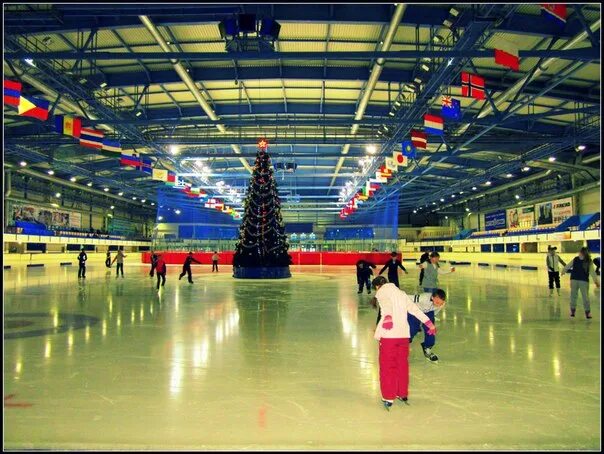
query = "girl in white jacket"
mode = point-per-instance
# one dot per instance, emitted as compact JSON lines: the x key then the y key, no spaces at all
{"x":393,"y":334}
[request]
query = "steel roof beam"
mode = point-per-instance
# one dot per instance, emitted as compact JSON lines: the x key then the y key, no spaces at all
{"x":64,"y":18}
{"x":582,"y":54}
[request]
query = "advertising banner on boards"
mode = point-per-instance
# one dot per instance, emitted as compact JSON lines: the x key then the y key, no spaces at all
{"x":554,"y":212}
{"x":523,"y":217}
{"x":50,"y":217}
{"x":495,"y":220}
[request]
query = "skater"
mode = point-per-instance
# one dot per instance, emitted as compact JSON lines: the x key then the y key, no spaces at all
{"x":432,"y":270}
{"x":160,"y":270}
{"x":551,"y":261}
{"x":393,"y":334}
{"x":215,"y":258}
{"x":424,"y":258}
{"x":393,"y":265}
{"x":154,"y":257}
{"x":186,"y":267}
{"x":108,"y":259}
{"x":581,"y":268}
{"x":364,"y":274}
{"x":82,"y":257}
{"x":119,"y":257}
{"x":430,"y":304}
{"x":597,"y":265}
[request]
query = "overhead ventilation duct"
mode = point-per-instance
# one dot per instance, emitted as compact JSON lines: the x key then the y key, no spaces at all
{"x":376,"y":71}
{"x":188,"y":81}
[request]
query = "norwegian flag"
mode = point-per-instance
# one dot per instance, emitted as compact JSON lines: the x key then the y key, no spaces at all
{"x":472,"y":85}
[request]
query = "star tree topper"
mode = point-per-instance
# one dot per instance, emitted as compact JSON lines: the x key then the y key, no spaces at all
{"x":262,"y":144}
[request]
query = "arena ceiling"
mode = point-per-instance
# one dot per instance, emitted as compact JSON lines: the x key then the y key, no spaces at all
{"x":338,"y":81}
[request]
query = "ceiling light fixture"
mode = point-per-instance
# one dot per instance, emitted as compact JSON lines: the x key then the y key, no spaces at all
{"x":23,"y":163}
{"x":89,"y":184}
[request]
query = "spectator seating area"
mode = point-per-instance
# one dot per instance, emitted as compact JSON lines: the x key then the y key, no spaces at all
{"x":32,"y":228}
{"x":488,"y":233}
{"x":549,"y":228}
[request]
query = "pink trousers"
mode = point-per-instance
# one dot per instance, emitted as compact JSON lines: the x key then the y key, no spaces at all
{"x":394,"y":368}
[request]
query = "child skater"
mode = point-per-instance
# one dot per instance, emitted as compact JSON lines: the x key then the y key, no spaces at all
{"x":160,"y":270}
{"x":154,"y":257}
{"x":364,"y":275}
{"x":392,"y":266}
{"x":430,"y":304}
{"x":551,"y":261}
{"x":186,"y":267}
{"x":108,"y":259}
{"x":393,"y":334}
{"x":431,"y":271}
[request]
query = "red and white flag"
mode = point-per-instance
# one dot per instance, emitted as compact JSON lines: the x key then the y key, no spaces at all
{"x":472,"y":85}
{"x":419,"y":139}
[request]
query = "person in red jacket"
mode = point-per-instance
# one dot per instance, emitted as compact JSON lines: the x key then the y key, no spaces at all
{"x":160,"y":270}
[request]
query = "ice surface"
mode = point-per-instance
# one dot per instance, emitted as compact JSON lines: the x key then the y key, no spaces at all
{"x":227,"y":363}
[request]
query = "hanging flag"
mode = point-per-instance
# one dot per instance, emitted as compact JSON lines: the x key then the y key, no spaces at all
{"x":160,"y":175}
{"x":33,"y":107}
{"x":91,"y":138}
{"x":112,"y":145}
{"x":171,"y":179}
{"x":433,"y":124}
{"x":69,"y":126}
{"x":399,"y":158}
{"x":419,"y":139}
{"x":451,"y":108}
{"x":390,"y":165}
{"x":507,"y":59}
{"x":146,"y":165}
{"x":408,"y":150}
{"x":385,"y":172}
{"x":12,"y":92}
{"x":378,"y":178}
{"x":130,"y":158}
{"x":472,"y":86}
{"x":555,"y":12}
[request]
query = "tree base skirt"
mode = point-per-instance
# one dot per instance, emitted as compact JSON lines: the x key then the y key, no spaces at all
{"x":276,"y":272}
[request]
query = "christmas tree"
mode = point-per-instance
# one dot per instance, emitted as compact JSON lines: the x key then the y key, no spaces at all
{"x":261,"y":251}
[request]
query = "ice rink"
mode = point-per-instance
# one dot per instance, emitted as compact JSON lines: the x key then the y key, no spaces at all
{"x":226,"y":364}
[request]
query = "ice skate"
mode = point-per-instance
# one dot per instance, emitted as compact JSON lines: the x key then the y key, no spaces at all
{"x":404,"y":400}
{"x":588,"y":314}
{"x":429,"y":355}
{"x":572,"y":312}
{"x":387,"y":404}
{"x":558,"y":290}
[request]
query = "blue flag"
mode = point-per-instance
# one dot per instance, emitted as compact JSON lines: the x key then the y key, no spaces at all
{"x":451,"y":108}
{"x":408,"y":149}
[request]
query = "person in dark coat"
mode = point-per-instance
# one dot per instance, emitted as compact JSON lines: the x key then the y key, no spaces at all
{"x":154,"y":258}
{"x":424,"y":258}
{"x":82,"y":257}
{"x":364,"y":275}
{"x":108,"y":259}
{"x":393,"y":265}
{"x":186,"y":267}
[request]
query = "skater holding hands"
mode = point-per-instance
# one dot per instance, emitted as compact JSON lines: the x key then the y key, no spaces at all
{"x":431,"y":272}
